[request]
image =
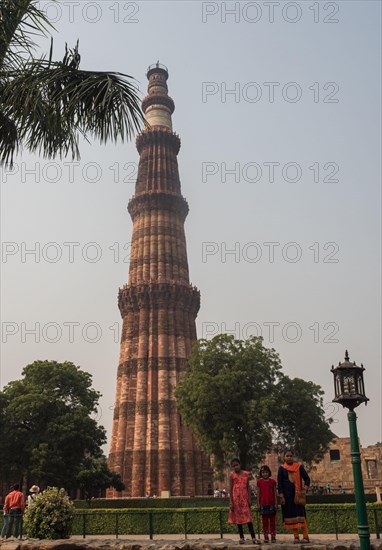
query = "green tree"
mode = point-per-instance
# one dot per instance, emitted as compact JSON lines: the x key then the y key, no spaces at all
{"x":95,"y":476}
{"x":48,"y":428}
{"x":47,"y":105}
{"x":237,"y":401}
{"x":6,"y":451}
{"x":299,"y":421}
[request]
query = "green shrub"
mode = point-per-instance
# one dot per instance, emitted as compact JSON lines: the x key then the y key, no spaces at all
{"x":50,"y":516}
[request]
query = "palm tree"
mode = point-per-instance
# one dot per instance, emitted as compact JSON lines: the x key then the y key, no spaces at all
{"x":47,"y":105}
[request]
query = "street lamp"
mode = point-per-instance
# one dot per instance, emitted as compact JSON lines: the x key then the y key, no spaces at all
{"x":349,"y":391}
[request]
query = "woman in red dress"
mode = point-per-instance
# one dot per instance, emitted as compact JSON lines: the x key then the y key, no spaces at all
{"x":240,"y":501}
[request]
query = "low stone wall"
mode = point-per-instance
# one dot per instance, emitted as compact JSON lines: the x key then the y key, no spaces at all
{"x":198,"y":544}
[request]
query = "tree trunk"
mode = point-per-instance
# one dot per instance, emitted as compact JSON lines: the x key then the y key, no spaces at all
{"x":243,"y":458}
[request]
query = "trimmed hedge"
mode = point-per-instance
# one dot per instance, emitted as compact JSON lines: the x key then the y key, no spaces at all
{"x":144,"y":503}
{"x":321,"y":519}
{"x":338,"y":499}
{"x":324,"y":519}
{"x":203,"y":502}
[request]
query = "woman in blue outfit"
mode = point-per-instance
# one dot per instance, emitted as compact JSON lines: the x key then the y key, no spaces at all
{"x":292,"y":477}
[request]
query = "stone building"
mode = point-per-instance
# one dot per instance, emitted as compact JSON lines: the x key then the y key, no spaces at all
{"x":336,"y":468}
{"x":150,"y":448}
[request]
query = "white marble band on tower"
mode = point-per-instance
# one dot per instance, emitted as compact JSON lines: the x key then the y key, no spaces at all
{"x":158,"y":105}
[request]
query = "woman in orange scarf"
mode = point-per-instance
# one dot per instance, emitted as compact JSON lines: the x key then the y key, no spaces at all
{"x":292,"y":477}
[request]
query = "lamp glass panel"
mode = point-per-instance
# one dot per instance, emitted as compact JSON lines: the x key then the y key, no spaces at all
{"x":349,"y":384}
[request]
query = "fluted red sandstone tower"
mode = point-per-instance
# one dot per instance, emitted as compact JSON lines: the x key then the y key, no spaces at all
{"x":150,"y":447}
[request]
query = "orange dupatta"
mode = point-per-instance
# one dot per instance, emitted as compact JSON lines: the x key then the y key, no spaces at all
{"x":292,"y":470}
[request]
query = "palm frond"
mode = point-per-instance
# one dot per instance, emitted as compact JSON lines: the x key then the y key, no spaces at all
{"x":20,"y":21}
{"x":54,"y":103}
{"x":48,"y":105}
{"x":9,"y":139}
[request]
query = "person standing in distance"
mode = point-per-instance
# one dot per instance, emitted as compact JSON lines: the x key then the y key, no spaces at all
{"x":34,"y":491}
{"x":14,"y":505}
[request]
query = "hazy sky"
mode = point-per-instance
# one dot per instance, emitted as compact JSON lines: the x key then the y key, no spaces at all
{"x":278,"y":110}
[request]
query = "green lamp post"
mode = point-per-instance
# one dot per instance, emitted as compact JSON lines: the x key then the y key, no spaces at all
{"x":350,"y":392}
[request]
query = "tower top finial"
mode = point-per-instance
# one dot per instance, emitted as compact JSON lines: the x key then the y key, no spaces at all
{"x":346,"y":355}
{"x":155,"y":68}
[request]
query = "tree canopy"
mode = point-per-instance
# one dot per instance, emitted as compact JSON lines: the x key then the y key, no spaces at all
{"x":47,"y":424}
{"x":237,"y":401}
{"x":46,"y":105}
{"x":95,"y":476}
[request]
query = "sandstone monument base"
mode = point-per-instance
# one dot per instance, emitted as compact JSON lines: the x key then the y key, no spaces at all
{"x":175,"y":542}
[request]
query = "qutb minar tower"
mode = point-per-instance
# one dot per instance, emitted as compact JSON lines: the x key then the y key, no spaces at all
{"x":150,"y":447}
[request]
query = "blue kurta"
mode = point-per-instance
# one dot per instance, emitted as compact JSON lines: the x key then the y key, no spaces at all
{"x":293,"y":515}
